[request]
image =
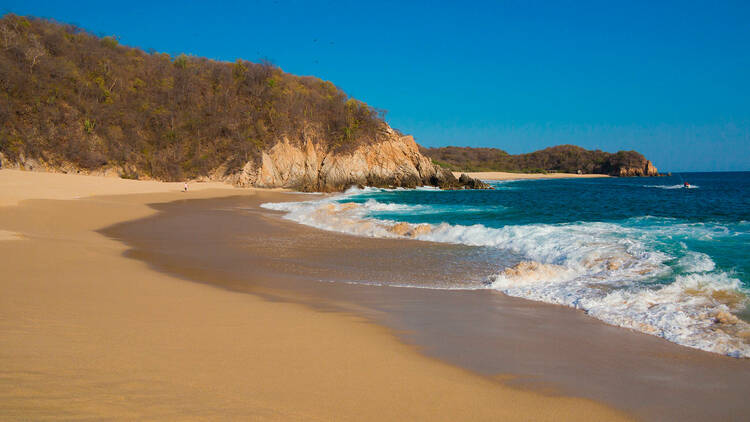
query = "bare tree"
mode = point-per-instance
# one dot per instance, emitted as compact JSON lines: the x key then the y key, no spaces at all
{"x":33,"y":52}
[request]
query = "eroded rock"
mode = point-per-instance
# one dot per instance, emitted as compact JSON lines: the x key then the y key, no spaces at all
{"x":393,"y":161}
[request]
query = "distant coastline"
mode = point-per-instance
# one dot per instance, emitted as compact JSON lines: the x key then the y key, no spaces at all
{"x":569,"y":159}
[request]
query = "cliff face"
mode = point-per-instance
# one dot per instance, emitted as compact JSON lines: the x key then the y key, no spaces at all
{"x":647,"y":169}
{"x":393,"y":161}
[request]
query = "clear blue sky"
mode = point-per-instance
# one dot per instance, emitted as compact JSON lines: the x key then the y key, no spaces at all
{"x":669,"y":79}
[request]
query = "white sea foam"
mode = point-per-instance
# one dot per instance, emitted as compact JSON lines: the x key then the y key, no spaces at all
{"x":302,"y":193}
{"x":355,"y":190}
{"x":612,"y":271}
{"x":685,"y":311}
{"x":693,"y":262}
{"x":373,"y":205}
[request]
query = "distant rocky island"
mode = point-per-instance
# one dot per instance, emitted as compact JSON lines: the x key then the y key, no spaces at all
{"x":76,"y":102}
{"x":562,"y":158}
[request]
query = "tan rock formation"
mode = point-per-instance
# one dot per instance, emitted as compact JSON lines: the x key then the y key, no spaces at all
{"x":647,"y":170}
{"x":650,"y":169}
{"x":393,"y":161}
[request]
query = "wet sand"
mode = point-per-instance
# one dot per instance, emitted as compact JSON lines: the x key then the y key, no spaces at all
{"x":233,"y":243}
{"x":501,"y":175}
{"x":88,"y":332}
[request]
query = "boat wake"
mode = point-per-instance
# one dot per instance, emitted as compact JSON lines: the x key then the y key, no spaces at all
{"x":671,"y":186}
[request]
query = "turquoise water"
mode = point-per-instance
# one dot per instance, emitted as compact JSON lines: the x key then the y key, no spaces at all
{"x":642,"y":253}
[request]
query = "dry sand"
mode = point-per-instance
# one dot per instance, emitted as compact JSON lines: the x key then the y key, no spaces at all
{"x":17,"y":185}
{"x":90,"y":334}
{"x":500,"y":175}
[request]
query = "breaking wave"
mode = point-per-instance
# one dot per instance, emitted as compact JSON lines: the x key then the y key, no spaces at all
{"x":620,"y":273}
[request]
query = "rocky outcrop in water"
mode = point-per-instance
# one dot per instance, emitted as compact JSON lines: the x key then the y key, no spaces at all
{"x":470,"y":183}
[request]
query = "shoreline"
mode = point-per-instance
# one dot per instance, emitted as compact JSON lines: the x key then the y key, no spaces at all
{"x":501,"y":175}
{"x":528,"y":344}
{"x":91,"y":332}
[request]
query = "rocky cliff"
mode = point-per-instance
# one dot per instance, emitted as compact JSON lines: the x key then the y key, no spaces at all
{"x":646,"y":170}
{"x":393,"y":161}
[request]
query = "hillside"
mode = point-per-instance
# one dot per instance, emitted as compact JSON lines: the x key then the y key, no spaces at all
{"x":562,"y":158}
{"x":71,"y":101}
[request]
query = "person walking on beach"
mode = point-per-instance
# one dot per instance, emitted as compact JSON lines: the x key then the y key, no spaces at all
{"x":185,"y":186}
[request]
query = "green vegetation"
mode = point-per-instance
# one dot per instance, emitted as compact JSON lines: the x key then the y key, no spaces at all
{"x":67,"y":96}
{"x":562,"y":158}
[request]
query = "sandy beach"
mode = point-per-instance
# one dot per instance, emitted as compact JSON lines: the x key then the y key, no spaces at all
{"x":500,"y":175}
{"x":235,"y":244}
{"x":90,"y":333}
{"x":190,"y":231}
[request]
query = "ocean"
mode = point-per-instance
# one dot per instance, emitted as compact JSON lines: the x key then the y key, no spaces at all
{"x":641,"y":253}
